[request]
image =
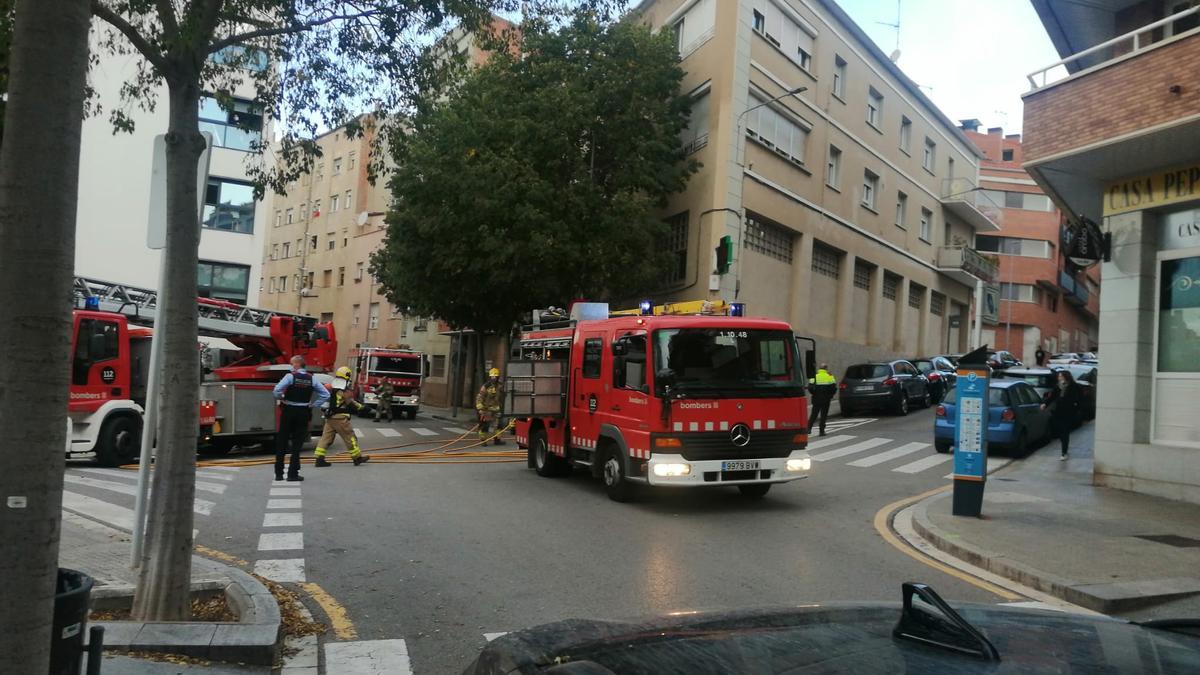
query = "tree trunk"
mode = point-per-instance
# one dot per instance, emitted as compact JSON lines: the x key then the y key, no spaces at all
{"x":39,"y":181}
{"x":165,"y":574}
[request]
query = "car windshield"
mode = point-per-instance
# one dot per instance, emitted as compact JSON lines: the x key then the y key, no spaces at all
{"x":1036,"y":380}
{"x":924,"y":366}
{"x":867,"y":371}
{"x":995,"y":396}
{"x":727,"y":362}
{"x":406,"y":365}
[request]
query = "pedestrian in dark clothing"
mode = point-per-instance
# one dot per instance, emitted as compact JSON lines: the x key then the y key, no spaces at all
{"x":297,"y":394}
{"x":1040,"y":357}
{"x":1064,"y":403}
{"x":823,"y":386}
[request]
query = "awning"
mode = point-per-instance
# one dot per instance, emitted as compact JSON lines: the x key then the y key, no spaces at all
{"x":218,"y":343}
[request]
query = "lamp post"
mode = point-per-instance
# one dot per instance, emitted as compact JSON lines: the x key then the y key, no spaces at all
{"x":742,"y":117}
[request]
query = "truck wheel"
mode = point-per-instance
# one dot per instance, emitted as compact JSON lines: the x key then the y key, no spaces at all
{"x":217,"y":446}
{"x":755,"y":490}
{"x":120,"y":441}
{"x":618,"y":489}
{"x":546,"y":463}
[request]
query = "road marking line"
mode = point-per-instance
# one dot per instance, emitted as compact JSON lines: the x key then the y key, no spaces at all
{"x":284,"y":503}
{"x":1034,"y":604}
{"x":924,"y":463}
{"x":114,"y":473}
{"x":219,"y":555}
{"x":287,"y":570}
{"x":883,"y":518}
{"x":421,"y":431}
{"x":456,"y":430}
{"x":284,"y":519}
{"x":201,"y":506}
{"x":862,"y":446}
{"x":214,"y":476}
{"x":391,"y":433}
{"x":492,"y":636}
{"x":342,"y":627}
{"x":285,"y":492}
{"x":223,"y":468}
{"x":368,"y":657}
{"x":215,"y":488}
{"x":888,"y":456}
{"x":281,"y":541}
{"x":98,"y":509}
{"x":829,"y":440}
{"x":359,"y":433}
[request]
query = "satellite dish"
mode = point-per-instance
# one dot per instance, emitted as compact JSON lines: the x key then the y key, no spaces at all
{"x":894,"y":56}
{"x":362,"y":218}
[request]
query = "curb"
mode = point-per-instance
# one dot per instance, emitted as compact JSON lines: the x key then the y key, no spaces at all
{"x":1103,"y":598}
{"x":253,"y":639}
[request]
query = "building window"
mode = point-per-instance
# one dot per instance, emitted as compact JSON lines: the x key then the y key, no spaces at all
{"x":1006,"y":155}
{"x":794,"y":40}
{"x":327,"y":278}
{"x":915,"y":292}
{"x":303,"y":211}
{"x":870,"y":188}
{"x":833,"y":168}
{"x":223,"y":281}
{"x":675,"y":244}
{"x":358,"y":273}
{"x":937,"y":304}
{"x":826,"y":261}
{"x":312,"y":243}
{"x":438,"y":366}
{"x":308,"y":280}
{"x":326,"y":317}
{"x":930,"y":159}
{"x":874,"y":107}
{"x":1052,"y":302}
{"x":768,"y":238}
{"x":403,"y":325}
{"x":341,"y":276}
{"x":901,"y":210}
{"x":1021,"y":293}
{"x":283,"y":284}
{"x":695,"y":136}
{"x":1029,"y":248}
{"x":274,"y":251}
{"x":373,"y":316}
{"x":279,"y":218}
{"x":271,"y":285}
{"x":332,"y":243}
{"x":677,"y":30}
{"x":421,"y":324}
{"x":345,"y":242}
{"x":905,"y":135}
{"x":239,"y":128}
{"x":242,"y":58}
{"x":333,"y":203}
{"x":287,"y":249}
{"x":926,"y":223}
{"x":316,"y":208}
{"x":299,"y":250}
{"x":337,"y":166}
{"x":760,"y":22}
{"x":354,"y":315}
{"x":862,"y":274}
{"x":347,"y":206}
{"x":229,"y":206}
{"x":891,"y":285}
{"x":839,"y":76}
{"x":351,"y":159}
{"x":776,"y":130}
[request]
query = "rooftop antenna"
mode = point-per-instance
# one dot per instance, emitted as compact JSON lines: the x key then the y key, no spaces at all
{"x":895,"y":55}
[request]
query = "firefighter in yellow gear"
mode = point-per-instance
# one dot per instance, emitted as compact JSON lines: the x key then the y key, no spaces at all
{"x":487,"y":406}
{"x":337,"y":420}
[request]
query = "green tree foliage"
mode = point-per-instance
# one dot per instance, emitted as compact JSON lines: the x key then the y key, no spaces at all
{"x":538,"y":178}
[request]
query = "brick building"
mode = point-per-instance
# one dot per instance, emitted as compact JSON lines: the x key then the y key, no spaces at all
{"x":1044,"y":300}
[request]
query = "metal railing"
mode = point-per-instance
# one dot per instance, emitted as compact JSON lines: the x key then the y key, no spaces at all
{"x":968,"y":260}
{"x":1134,"y":38}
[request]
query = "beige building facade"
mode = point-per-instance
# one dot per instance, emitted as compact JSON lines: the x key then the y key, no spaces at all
{"x":318,"y":245}
{"x":851,"y":206}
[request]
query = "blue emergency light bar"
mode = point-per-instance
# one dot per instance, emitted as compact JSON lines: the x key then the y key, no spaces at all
{"x":737,"y":309}
{"x":646,"y":307}
{"x":92,"y":302}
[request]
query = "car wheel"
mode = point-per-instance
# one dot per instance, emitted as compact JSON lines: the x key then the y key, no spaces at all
{"x":120,"y":441}
{"x":1021,"y":449}
{"x":618,"y":489}
{"x":755,"y":490}
{"x":942,"y":447}
{"x":927,"y":399}
{"x":546,"y":463}
{"x":902,"y":406}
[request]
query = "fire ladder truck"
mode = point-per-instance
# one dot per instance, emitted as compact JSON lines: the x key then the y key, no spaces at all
{"x":110,"y":361}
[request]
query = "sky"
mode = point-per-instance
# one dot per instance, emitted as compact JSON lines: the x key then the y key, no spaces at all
{"x":969,"y":56}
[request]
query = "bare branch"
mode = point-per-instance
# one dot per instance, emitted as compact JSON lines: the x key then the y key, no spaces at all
{"x":135,"y":38}
{"x":291,"y":29}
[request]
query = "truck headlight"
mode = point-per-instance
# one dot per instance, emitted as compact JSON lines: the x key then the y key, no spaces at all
{"x":803,"y":464}
{"x":668,"y":470}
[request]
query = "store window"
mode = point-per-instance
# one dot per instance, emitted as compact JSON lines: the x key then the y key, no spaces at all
{"x":1179,"y":315}
{"x":223,"y":281}
{"x":239,"y":127}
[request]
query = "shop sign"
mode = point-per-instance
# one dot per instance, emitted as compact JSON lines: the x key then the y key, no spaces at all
{"x":991,"y":304}
{"x":1083,"y":243}
{"x":1179,"y":230}
{"x":1173,"y":186}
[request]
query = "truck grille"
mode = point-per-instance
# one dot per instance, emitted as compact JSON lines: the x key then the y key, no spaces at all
{"x":699,"y":446}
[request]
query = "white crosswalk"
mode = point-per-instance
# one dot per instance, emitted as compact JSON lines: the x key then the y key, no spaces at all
{"x":865,"y":453}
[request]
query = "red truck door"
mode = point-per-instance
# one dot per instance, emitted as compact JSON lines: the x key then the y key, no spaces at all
{"x":629,"y":400}
{"x":99,"y":361}
{"x":588,"y":385}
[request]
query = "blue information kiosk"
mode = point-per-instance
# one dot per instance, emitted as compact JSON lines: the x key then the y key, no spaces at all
{"x":970,"y":433}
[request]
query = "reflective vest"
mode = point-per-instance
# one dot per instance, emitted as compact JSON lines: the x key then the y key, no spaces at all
{"x":340,"y":404}
{"x":301,"y":388}
{"x":822,"y":377}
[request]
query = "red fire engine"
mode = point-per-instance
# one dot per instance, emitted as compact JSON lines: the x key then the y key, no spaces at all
{"x":110,"y":363}
{"x":683,"y":395}
{"x":405,"y":369}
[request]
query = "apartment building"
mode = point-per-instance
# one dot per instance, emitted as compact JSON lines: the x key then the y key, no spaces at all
{"x":851,"y":205}
{"x":317,"y":251}
{"x":114,"y":190}
{"x":1044,"y":301}
{"x":1112,"y":134}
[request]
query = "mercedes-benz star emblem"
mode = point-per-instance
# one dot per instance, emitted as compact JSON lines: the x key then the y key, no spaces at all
{"x":740,"y":435}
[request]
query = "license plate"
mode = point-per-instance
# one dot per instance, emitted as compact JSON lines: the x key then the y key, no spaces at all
{"x":866,"y":388}
{"x":741,"y":465}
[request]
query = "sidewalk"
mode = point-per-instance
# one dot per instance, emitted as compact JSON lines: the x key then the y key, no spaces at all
{"x":1046,"y":526}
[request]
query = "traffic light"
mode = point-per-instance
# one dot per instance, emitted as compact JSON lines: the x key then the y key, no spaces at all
{"x":724,"y":254}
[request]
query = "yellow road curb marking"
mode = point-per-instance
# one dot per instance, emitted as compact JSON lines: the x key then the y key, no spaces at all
{"x":220,"y":555}
{"x":883,"y":527}
{"x":338,"y":620}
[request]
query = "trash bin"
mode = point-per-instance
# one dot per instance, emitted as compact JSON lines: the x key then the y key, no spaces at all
{"x":70,"y":618}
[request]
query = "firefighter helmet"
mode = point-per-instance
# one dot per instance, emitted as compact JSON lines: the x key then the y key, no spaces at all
{"x":344,"y":373}
{"x":494,"y":372}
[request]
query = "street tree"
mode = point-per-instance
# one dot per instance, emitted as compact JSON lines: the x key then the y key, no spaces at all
{"x":316,"y":64}
{"x":539,"y":176}
{"x":45,"y":72}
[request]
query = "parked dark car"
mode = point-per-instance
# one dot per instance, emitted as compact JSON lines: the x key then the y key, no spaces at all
{"x":1045,"y":379}
{"x":1001,"y":359}
{"x":888,"y":385}
{"x":1016,"y":420}
{"x":940,"y":372}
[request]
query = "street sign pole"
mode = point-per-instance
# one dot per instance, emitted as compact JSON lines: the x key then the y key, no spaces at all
{"x":970,"y":434}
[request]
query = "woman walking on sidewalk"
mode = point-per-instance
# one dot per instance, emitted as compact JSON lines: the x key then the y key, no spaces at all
{"x":1064,"y":404}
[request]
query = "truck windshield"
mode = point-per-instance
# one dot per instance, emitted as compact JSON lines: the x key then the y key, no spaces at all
{"x":407,"y":365}
{"x":719,"y":362}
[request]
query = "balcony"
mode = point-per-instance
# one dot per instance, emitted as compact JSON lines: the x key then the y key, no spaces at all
{"x":963,"y":198}
{"x":966,"y":265}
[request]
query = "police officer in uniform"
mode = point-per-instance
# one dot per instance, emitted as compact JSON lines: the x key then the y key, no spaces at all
{"x":337,"y":420}
{"x":487,"y":405}
{"x":823,"y":386}
{"x":298,"y":394}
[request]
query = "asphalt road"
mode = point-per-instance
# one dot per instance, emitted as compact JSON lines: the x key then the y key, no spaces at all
{"x":440,"y":555}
